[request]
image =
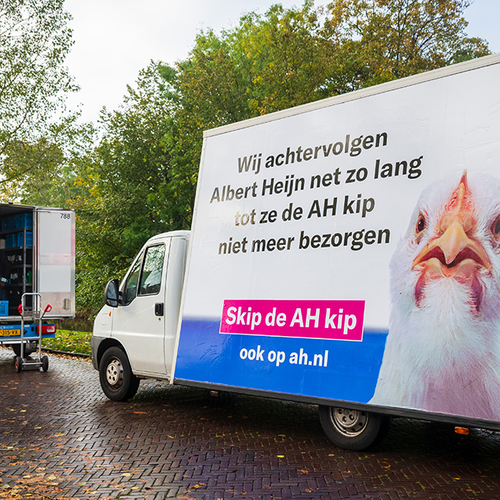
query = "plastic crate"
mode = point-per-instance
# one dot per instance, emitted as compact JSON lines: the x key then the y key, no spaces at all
{"x":16,"y":240}
{"x":20,"y":239}
{"x":23,"y":221}
{"x":8,"y":223}
{"x":19,"y":221}
{"x":4,"y":307}
{"x":11,"y":240}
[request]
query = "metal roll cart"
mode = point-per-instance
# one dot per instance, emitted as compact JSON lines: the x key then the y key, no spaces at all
{"x":34,"y":314}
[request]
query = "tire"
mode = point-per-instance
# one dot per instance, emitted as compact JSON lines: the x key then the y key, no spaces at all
{"x":27,"y":349}
{"x":354,"y":430}
{"x":19,"y":364}
{"x":45,"y":363}
{"x":116,"y":377}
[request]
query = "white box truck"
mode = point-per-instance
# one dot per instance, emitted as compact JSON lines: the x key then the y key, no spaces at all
{"x":37,"y":276}
{"x":344,"y":253}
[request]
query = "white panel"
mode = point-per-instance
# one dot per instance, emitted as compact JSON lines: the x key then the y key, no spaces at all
{"x":55,"y":260}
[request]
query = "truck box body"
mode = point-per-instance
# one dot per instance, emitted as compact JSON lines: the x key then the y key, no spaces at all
{"x":346,"y":253}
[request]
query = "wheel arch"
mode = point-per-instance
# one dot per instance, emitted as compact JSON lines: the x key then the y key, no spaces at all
{"x":105,"y":345}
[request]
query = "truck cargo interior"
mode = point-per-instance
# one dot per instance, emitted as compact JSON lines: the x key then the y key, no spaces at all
{"x":16,"y":257}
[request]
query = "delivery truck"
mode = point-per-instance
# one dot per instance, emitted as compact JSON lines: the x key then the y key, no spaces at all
{"x":37,"y":277}
{"x":344,"y":253}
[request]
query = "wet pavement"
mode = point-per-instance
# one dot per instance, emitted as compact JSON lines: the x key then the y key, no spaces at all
{"x":62,"y":439}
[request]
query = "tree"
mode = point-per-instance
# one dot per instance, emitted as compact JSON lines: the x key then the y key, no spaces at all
{"x":127,"y":179}
{"x":390,"y":39}
{"x":285,"y":55}
{"x":34,"y":41}
{"x":42,"y":171}
{"x":267,"y":63}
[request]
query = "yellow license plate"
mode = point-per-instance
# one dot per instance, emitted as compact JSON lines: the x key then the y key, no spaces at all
{"x":10,"y":333}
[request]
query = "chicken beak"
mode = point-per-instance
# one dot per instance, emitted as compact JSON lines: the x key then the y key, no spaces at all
{"x":454,"y":242}
{"x":452,"y":248}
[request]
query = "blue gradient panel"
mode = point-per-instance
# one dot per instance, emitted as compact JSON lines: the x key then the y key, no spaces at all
{"x":308,"y":367}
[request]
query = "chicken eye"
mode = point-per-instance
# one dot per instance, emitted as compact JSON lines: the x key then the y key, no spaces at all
{"x":495,"y":228}
{"x":420,"y":226}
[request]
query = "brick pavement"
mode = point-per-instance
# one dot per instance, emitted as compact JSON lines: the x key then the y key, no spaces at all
{"x":62,"y":439}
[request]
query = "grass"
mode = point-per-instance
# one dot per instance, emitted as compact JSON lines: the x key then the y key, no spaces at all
{"x":69,"y":341}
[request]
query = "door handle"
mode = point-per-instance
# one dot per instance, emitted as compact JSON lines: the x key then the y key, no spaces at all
{"x":159,"y":309}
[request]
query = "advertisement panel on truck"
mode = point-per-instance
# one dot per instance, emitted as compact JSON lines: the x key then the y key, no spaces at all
{"x":351,"y":251}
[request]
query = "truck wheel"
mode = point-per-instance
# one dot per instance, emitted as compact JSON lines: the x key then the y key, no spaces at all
{"x":116,"y":377}
{"x":353,"y":429}
{"x":27,"y":349}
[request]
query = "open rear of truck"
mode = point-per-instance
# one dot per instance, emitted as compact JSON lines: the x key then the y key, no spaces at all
{"x":37,"y":273}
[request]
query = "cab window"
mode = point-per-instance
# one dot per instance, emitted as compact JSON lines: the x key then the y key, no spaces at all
{"x":145,"y":275}
{"x":152,"y":270}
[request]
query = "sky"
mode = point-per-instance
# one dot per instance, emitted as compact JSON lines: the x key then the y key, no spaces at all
{"x":115,"y":39}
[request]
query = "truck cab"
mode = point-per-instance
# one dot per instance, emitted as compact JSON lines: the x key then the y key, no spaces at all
{"x":135,"y":332}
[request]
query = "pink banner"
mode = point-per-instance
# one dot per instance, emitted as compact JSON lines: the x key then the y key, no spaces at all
{"x":315,"y":319}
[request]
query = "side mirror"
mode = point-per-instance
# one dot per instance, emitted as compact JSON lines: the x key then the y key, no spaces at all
{"x":111,"y":294}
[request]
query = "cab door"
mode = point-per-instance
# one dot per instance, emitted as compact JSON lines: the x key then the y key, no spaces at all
{"x":139,"y":322}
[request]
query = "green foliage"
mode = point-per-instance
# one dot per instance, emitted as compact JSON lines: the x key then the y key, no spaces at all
{"x":69,"y":341}
{"x":43,"y":171}
{"x":398,"y":38}
{"x":288,"y":57}
{"x":34,"y":147}
{"x":285,"y":56}
{"x":34,"y":41}
{"x":267,"y":63}
{"x":129,"y":187}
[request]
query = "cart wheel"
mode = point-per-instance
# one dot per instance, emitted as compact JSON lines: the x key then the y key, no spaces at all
{"x":45,"y":363}
{"x":19,"y":364}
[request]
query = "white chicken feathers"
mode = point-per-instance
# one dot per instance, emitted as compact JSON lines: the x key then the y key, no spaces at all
{"x":443,"y":349}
